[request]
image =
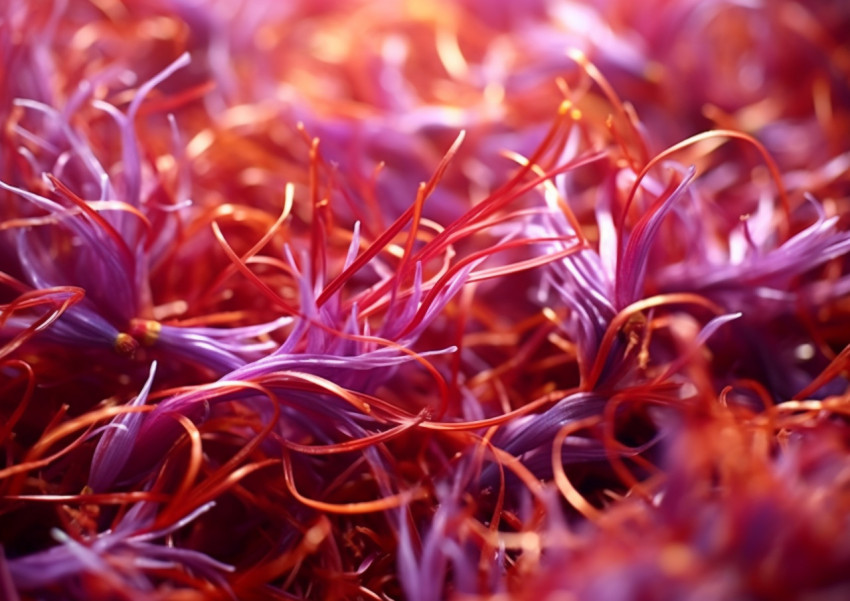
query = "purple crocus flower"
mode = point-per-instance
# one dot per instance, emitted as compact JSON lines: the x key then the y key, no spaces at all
{"x":108,"y":259}
{"x":126,"y":560}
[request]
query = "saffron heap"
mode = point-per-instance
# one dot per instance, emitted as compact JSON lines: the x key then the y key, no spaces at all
{"x":424,"y":300}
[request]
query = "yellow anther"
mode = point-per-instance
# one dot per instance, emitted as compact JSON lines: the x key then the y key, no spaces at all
{"x":146,"y":331}
{"x":125,"y":344}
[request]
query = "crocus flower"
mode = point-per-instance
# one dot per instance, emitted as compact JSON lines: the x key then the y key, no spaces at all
{"x":125,"y":560}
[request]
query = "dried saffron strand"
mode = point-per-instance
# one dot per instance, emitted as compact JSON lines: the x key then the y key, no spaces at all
{"x":240,"y":265}
{"x":635,"y":308}
{"x":289,"y":193}
{"x":352,"y":508}
{"x":492,"y":205}
{"x":836,"y":366}
{"x":116,"y":498}
{"x":355,"y":444}
{"x":571,"y":494}
{"x":720,"y":133}
{"x":28,"y":375}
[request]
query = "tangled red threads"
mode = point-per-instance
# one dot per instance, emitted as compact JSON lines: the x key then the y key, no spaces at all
{"x":398,"y":300}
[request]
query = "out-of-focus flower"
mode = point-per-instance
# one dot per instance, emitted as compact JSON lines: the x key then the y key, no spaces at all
{"x":128,"y":562}
{"x":765,"y":529}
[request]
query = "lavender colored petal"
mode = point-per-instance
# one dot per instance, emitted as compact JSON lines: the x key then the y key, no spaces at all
{"x":116,"y":445}
{"x":631,"y":268}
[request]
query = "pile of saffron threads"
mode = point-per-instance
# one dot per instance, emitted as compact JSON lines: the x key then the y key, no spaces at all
{"x":424,"y":300}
